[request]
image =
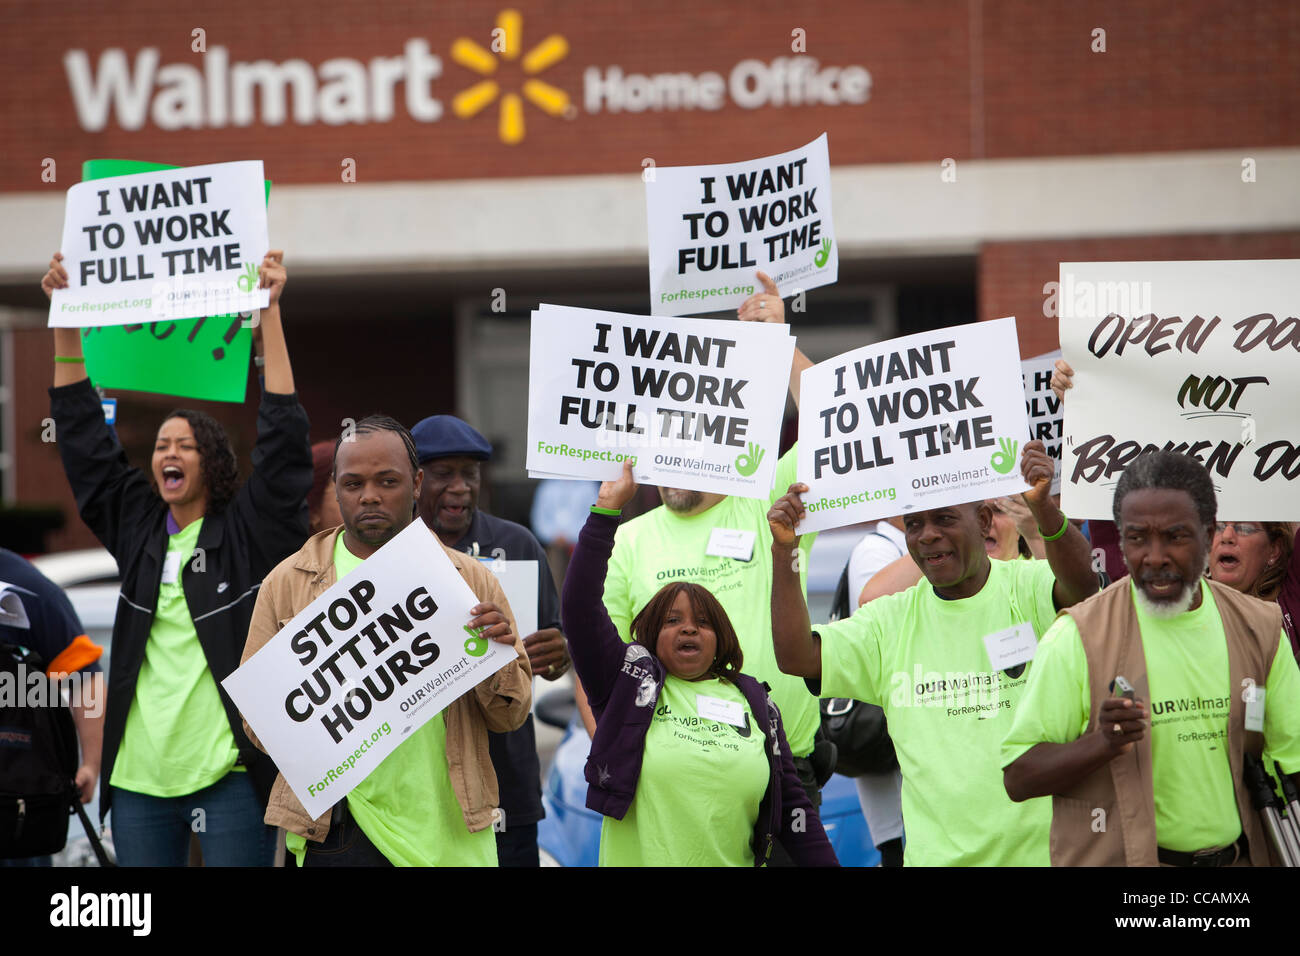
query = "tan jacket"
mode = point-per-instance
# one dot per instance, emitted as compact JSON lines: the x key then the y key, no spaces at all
{"x":500,"y":703}
{"x":1126,"y":834}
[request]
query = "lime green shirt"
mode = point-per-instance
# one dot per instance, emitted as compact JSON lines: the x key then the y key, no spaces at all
{"x":660,"y":547}
{"x":924,"y":661}
{"x":1187,"y":675}
{"x":700,"y":786}
{"x":406,"y":806}
{"x":177,"y":739}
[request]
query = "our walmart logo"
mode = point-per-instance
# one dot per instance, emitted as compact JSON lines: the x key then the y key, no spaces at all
{"x":507,"y":43}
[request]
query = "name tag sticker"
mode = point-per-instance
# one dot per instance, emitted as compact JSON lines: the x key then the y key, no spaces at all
{"x":730,"y":543}
{"x":171,"y":567}
{"x":723,"y":711}
{"x":1015,"y":645}
{"x":1255,"y":710}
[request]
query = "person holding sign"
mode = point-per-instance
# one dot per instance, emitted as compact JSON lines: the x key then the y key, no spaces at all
{"x":689,"y":762}
{"x":946,"y":660}
{"x":1145,"y":698}
{"x":192,"y":547}
{"x":1259,"y":558}
{"x":433,"y":800}
{"x":451,"y":453}
{"x":721,"y":542}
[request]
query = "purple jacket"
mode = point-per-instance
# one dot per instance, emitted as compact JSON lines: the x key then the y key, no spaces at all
{"x":622,"y":682}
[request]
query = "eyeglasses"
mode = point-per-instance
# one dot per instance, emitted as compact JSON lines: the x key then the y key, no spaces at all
{"x":1243,"y":529}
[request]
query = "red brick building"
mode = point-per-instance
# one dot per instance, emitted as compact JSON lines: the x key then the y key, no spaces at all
{"x":422,"y":162}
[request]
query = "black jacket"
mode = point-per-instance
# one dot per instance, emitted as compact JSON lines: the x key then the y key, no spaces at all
{"x":264,"y":523}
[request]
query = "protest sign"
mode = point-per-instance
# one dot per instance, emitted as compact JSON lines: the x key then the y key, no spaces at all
{"x":518,"y":579}
{"x":371,"y":660}
{"x":695,"y":403}
{"x":204,"y":358}
{"x":164,"y":244}
{"x":712,"y":227}
{"x":918,"y":422}
{"x":1196,"y":357}
{"x":1044,"y":407}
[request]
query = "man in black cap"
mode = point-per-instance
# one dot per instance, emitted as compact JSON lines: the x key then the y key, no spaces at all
{"x":451,"y":453}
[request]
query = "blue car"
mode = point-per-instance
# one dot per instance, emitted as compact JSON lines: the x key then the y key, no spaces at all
{"x":570,"y":833}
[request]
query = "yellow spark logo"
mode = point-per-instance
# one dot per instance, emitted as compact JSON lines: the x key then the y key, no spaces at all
{"x":507,"y":40}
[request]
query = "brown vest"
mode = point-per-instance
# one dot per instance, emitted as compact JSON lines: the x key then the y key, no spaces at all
{"x":1108,"y":629}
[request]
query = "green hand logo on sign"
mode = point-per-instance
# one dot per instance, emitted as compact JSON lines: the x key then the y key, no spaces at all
{"x":748,"y":463}
{"x":476,"y":646}
{"x":248,"y":281}
{"x":823,"y":255}
{"x":1004,"y":459}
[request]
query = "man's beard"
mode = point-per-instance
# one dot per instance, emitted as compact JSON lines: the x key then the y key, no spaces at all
{"x":681,"y":501}
{"x":1167,"y":609}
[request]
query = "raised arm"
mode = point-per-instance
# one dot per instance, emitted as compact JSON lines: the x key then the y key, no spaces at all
{"x":766,"y":306}
{"x":112,"y":497}
{"x":273,"y":501}
{"x":1067,"y":549}
{"x":798,"y":651}
{"x":277,"y":370}
{"x":594,"y":643}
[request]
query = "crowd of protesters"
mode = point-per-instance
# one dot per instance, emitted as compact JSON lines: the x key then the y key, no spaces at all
{"x":701,"y":693}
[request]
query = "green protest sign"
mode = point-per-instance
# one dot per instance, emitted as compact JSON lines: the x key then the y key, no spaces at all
{"x":203,"y":358}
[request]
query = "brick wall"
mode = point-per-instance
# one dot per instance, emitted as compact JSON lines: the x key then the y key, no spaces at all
{"x":948,"y":79}
{"x":1012,"y":274}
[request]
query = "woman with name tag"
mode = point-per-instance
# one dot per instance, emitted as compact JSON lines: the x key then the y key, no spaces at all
{"x":192,"y":547}
{"x":689,"y":762}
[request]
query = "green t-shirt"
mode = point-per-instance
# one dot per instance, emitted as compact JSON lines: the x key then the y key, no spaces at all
{"x":701,"y":783}
{"x":923,"y":659}
{"x":1187,"y":675}
{"x":406,"y":806}
{"x":661,"y":547}
{"x":177,"y":739}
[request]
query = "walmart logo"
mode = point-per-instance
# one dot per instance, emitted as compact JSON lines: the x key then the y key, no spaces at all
{"x":507,"y":43}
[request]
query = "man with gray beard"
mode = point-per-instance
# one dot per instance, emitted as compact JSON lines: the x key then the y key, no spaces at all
{"x":1136,"y":783}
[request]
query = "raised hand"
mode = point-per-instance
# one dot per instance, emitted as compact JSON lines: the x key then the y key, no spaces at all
{"x":271,"y":275}
{"x":1004,"y":459}
{"x":765,"y":306}
{"x":785,"y":515}
{"x":1037,"y":467}
{"x":1062,"y":378}
{"x":56,"y":278}
{"x":748,"y":463}
{"x":613,"y":495}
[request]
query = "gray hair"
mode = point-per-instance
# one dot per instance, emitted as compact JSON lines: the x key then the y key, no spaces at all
{"x":1168,"y":469}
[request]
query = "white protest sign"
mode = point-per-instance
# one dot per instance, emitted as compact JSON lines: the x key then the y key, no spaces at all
{"x":1044,"y":408}
{"x":170,"y":244}
{"x":696,"y":403}
{"x":1196,"y":357}
{"x":712,"y":227}
{"x":918,"y":422}
{"x":519,"y":580}
{"x":372,"y":659}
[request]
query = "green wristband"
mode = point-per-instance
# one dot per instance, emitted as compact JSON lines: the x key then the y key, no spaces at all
{"x":612,"y":512}
{"x":1065,"y":524}
{"x":68,"y":358}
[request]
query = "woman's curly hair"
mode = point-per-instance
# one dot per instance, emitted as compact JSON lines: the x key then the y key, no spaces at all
{"x":220,"y":467}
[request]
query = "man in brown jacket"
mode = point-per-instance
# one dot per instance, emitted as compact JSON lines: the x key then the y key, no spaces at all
{"x":1144,"y":699}
{"x":434,"y":799}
